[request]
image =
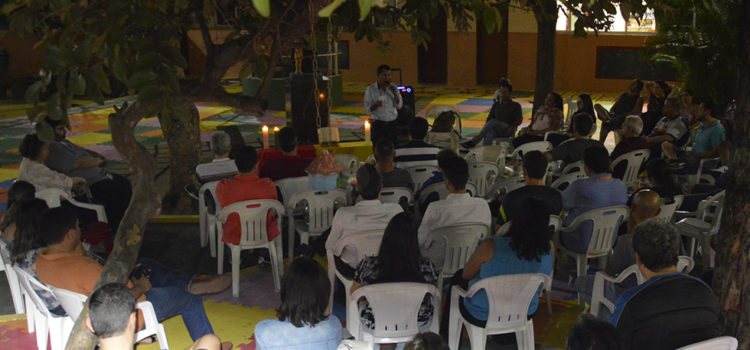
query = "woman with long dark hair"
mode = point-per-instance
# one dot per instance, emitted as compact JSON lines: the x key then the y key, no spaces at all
{"x":19,"y":192}
{"x":302,"y":322}
{"x":660,"y":90}
{"x":585,"y":106}
{"x":398,"y":260}
{"x":547,"y":118}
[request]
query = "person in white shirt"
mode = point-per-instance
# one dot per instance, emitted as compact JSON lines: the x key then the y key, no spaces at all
{"x":458,"y":208}
{"x":221,"y":166}
{"x":382,"y":101}
{"x":368,"y":214}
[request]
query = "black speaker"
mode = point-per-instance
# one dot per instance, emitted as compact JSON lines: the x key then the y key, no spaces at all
{"x":303,"y":107}
{"x":407,"y":112}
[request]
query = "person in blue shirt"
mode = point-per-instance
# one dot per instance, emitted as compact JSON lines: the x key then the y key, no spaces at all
{"x":302,"y":322}
{"x":599,"y":190}
{"x":670,"y":310}
{"x":708,"y":137}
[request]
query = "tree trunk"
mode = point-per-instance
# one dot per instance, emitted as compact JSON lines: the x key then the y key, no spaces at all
{"x":182,"y":131}
{"x":732,"y":275}
{"x":143,"y":205}
{"x":545,"y":12}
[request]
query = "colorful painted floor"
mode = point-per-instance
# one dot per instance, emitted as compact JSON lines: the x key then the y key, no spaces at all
{"x":234,"y":319}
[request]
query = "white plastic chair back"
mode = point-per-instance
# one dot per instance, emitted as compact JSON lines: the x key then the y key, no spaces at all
{"x":685,"y":264}
{"x":666,"y":211}
{"x":320,"y":207}
{"x":420,"y":174}
{"x":696,"y":178}
{"x":501,"y":187}
{"x":291,"y":186}
{"x":346,"y":161}
{"x":482,"y":175}
{"x":53,"y":196}
{"x":541,"y":146}
{"x":396,"y":195}
{"x":365,"y":244}
{"x":46,"y":324}
{"x":207,"y":218}
{"x":633,"y":160}
{"x":573,"y":167}
{"x":15,"y":288}
{"x":597,"y":293}
{"x":471,"y":189}
{"x":252,"y":216}
{"x":395,"y":307}
{"x":570,"y":106}
{"x":704,"y":226}
{"x":564,"y":181}
{"x":719,"y":343}
{"x":444,"y":140}
{"x":370,"y":159}
{"x":73,"y":303}
{"x":460,"y":242}
{"x":438,"y":188}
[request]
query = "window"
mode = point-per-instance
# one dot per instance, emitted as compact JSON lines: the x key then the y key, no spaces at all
{"x":566,"y":22}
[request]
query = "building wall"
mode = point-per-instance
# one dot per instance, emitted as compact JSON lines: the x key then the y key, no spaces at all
{"x":24,"y":59}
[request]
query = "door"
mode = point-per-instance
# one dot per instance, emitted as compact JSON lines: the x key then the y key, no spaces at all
{"x":492,"y":51}
{"x":432,"y":62}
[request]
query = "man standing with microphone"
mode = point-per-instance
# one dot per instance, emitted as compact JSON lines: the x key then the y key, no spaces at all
{"x":382,"y":101}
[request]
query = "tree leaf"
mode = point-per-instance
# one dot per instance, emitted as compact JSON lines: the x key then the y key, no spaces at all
{"x":488,"y":17}
{"x":100,"y":78}
{"x":328,"y":10}
{"x":32,"y":93}
{"x":77,"y":85}
{"x":364,"y":9}
{"x":263,"y":7}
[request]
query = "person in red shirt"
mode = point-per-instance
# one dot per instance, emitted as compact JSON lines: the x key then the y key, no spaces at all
{"x":290,"y":164}
{"x":245,"y":186}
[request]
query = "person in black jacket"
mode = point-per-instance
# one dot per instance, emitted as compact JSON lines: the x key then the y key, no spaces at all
{"x":671,"y":309}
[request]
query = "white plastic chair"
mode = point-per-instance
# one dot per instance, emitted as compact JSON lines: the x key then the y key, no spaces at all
{"x":482,"y":175}
{"x":685,"y":264}
{"x":395,"y":307}
{"x":370,"y":159}
{"x":397,"y":195}
{"x":666,"y":211}
{"x":571,"y":107}
{"x":365,"y":243}
{"x":597,"y":293}
{"x":471,"y":189}
{"x":444,"y":140}
{"x":517,"y":154}
{"x":420,"y":174}
{"x":604,"y":222}
{"x":346,"y":161}
{"x":504,"y":186}
{"x":73,"y":304}
{"x":459,"y":241}
{"x":573,"y":168}
{"x":718,"y":343}
{"x":694,"y":179}
{"x":700,"y":229}
{"x":633,"y":161}
{"x":509,"y":298}
{"x":207,"y":217}
{"x":438,"y":187}
{"x":53,"y":196}
{"x":320,"y":209}
{"x":15,"y":288}
{"x":564,"y":181}
{"x":252,"y":215}
{"x":46,"y":324}
{"x":287,"y":188}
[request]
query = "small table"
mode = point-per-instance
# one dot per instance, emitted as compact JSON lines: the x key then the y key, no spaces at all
{"x":360,"y":149}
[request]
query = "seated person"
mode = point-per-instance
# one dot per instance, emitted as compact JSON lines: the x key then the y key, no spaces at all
{"x":443,"y":134}
{"x":368,"y":214}
{"x":646,"y":204}
{"x":662,"y":180}
{"x":670,"y":310}
{"x":392,"y":176}
{"x":525,"y":248}
{"x":671,"y":128}
{"x":599,"y":190}
{"x":290,"y":164}
{"x":547,"y":118}
{"x":63,"y":264}
{"x":708,"y":137}
{"x":437,"y":177}
{"x":631,"y":141}
{"x":534,"y":168}
{"x":19,"y":192}
{"x":221,"y":166}
{"x":245,"y":186}
{"x":585,"y":106}
{"x":629,"y":103}
{"x":416,"y":152}
{"x":456,"y":209}
{"x":33,"y":170}
{"x":109,"y":189}
{"x":571,"y":150}
{"x":112,"y":319}
{"x":591,"y":333}
{"x":659,"y":90}
{"x":504,"y":117}
{"x":302,"y":316}
{"x":398,"y":260}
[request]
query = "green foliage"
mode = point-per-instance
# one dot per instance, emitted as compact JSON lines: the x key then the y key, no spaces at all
{"x":699,"y":38}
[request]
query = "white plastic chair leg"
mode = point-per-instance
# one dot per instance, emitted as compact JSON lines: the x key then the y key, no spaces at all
{"x":530,"y":335}
{"x":276,"y":264}
{"x":581,"y":268}
{"x":549,"y":301}
{"x":56,"y":329}
{"x":211,"y":235}
{"x":30,"y":313}
{"x":42,"y":332}
{"x":219,"y":256}
{"x":161,"y":337}
{"x":304,"y":238}
{"x":454,"y":328}
{"x":235,"y":270}
{"x":477,"y":337}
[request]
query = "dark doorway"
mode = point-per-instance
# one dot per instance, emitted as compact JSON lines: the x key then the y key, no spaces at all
{"x":492,"y":51}
{"x":432,"y":62}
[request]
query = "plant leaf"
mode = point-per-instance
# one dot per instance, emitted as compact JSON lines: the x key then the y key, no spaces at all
{"x":263,"y":7}
{"x":364,"y":9}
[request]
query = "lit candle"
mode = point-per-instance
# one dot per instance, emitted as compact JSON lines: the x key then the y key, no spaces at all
{"x":265,"y":136}
{"x":367,"y":131}
{"x":276,"y":137}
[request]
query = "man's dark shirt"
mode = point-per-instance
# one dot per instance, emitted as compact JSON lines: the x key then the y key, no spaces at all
{"x":512,"y":202}
{"x":572,"y":150}
{"x":397,"y":178}
{"x":509,"y":113}
{"x":627,"y":145}
{"x":668,"y":313}
{"x":626,"y":104}
{"x":285,"y":167}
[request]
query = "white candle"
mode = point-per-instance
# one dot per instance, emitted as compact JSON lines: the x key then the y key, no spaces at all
{"x":265,"y":136}
{"x":367,"y":131}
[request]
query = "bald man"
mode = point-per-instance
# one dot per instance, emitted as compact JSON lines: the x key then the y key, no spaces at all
{"x":646,"y":204}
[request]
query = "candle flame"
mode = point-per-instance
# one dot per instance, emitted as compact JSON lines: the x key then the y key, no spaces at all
{"x":275,"y":129}
{"x":265,"y":128}
{"x":367,"y":124}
